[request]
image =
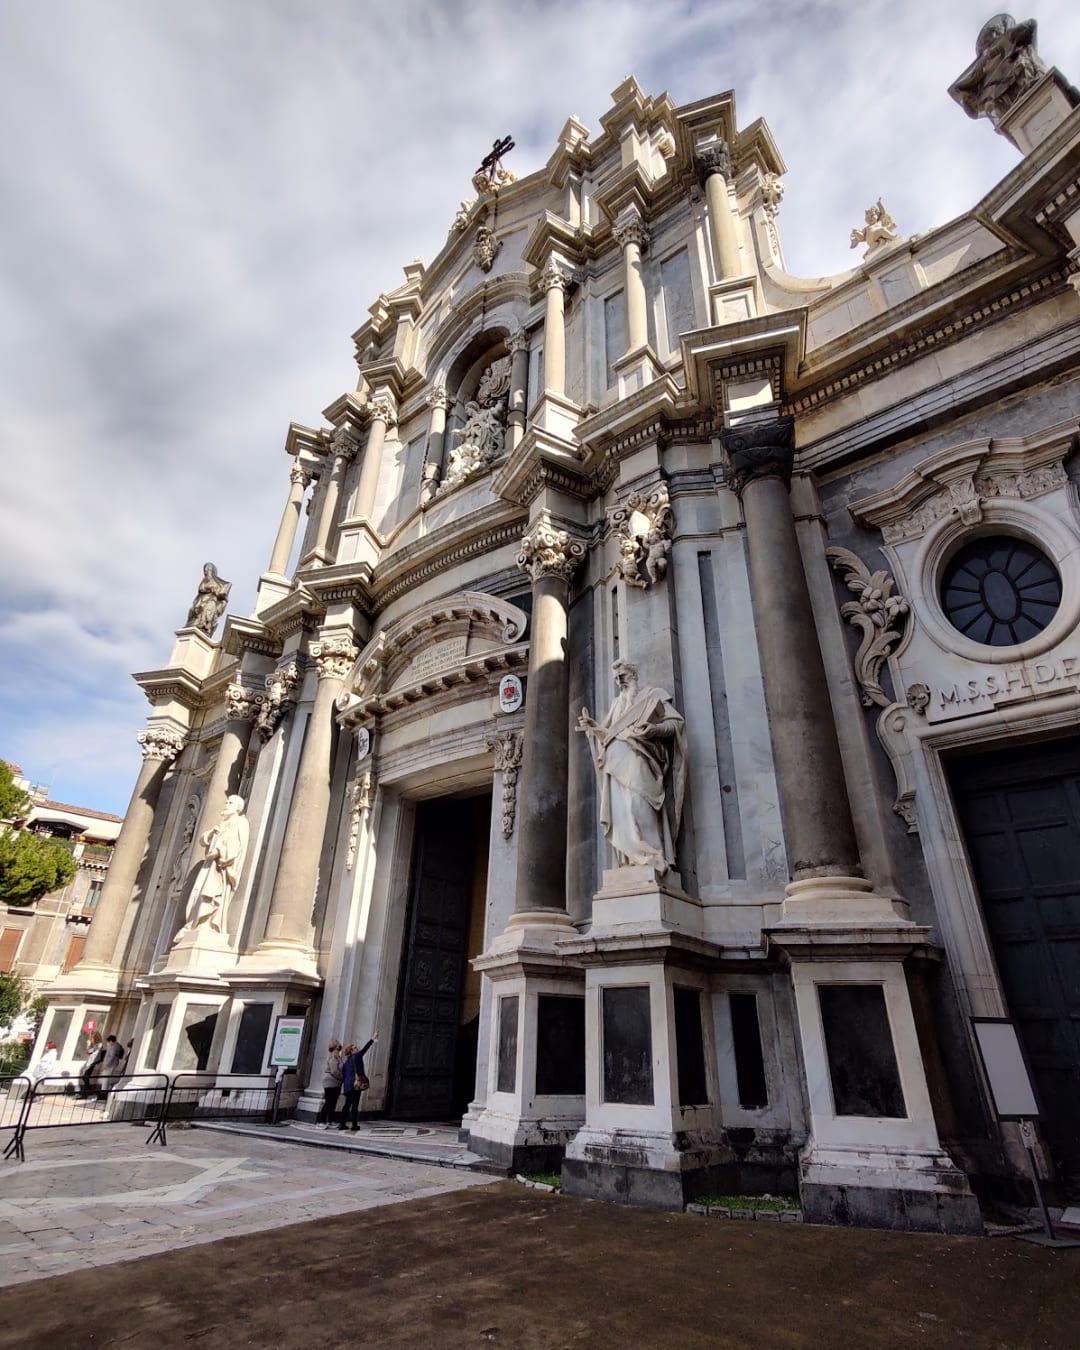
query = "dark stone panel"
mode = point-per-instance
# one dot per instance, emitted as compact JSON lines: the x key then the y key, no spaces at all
{"x":749,"y":1058}
{"x":560,"y":1045}
{"x":251,"y":1038}
{"x":506,"y":1079}
{"x":627,"y":1032}
{"x":690,"y":1047}
{"x":644,"y":1187}
{"x":901,"y":1210}
{"x":518,"y":1157}
{"x":858,"y":1043}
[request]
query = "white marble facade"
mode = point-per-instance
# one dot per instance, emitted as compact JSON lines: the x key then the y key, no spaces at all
{"x":566,"y":448}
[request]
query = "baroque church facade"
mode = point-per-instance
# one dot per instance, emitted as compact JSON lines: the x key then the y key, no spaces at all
{"x":659,"y":714}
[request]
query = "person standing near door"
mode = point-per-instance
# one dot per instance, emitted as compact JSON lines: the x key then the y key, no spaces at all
{"x":333,"y":1073}
{"x":355,"y":1082}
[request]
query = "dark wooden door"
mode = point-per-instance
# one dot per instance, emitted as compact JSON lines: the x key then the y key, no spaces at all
{"x":1020,"y":811}
{"x":429,"y":1002}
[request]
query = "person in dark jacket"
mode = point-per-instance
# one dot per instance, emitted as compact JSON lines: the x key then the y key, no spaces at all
{"x":354,"y":1083}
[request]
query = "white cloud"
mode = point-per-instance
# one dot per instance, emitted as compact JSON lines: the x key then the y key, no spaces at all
{"x":204,"y":199}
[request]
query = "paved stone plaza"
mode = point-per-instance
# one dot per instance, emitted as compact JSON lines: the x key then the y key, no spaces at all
{"x":92,"y":1197}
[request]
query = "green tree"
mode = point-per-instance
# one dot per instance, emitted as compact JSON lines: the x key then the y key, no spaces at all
{"x":12,"y":799}
{"x":14,"y":996}
{"x":31,"y":866}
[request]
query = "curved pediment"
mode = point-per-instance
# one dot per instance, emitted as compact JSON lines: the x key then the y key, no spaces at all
{"x":459,"y":639}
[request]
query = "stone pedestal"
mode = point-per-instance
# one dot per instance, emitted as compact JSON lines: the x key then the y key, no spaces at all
{"x":199,"y":951}
{"x":873,"y":1158}
{"x":1039,"y":112}
{"x":637,"y":369}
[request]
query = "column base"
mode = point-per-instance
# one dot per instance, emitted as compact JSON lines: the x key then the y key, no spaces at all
{"x":85,"y":981}
{"x":841,"y":901}
{"x":650,"y":1170}
{"x":886,"y":1188}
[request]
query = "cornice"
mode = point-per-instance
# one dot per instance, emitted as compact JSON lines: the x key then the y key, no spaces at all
{"x":171,"y":683}
{"x":248,"y":635}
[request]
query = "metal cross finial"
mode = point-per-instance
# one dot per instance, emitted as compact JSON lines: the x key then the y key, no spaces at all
{"x":491,"y":163}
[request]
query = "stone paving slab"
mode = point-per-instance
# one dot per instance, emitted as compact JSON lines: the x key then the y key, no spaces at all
{"x":90,"y":1198}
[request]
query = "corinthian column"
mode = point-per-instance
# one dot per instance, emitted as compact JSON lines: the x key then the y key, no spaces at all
{"x":714,"y":165}
{"x":299,"y":478}
{"x":288,"y":924}
{"x":550,"y":556}
{"x":438,"y":400}
{"x":554,"y":281}
{"x":160,"y":746}
{"x":383,"y":415}
{"x":632,"y":236}
{"x":518,"y":346}
{"x":345,"y":447}
{"x":818,"y":824}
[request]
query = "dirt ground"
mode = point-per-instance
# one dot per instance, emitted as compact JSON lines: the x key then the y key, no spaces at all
{"x":503,"y":1265}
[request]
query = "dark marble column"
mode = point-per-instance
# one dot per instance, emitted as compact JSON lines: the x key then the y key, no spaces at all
{"x":550,"y":556}
{"x":813,"y":794}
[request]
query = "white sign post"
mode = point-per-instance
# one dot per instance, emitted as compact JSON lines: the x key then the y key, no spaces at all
{"x":1014,"y":1099}
{"x":286,"y":1046}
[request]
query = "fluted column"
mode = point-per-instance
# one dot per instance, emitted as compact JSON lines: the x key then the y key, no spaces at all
{"x":383,"y":415}
{"x":345,"y":447}
{"x":554,"y":281}
{"x":160,"y":746}
{"x":550,"y":556}
{"x":714,"y":165}
{"x":288,"y":924}
{"x":810,"y":773}
{"x":299,"y":478}
{"x":438,"y":400}
{"x":518,"y":346}
{"x":632,"y":236}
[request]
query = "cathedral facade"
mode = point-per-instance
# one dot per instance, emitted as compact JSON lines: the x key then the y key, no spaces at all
{"x":654,"y":702}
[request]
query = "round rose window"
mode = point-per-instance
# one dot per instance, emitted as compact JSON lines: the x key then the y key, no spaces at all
{"x":1000,"y":591}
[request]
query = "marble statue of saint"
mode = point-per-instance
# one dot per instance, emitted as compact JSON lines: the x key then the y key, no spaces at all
{"x":639,"y":751}
{"x":1006,"y":65}
{"x":225,"y":844}
{"x":210,"y":601}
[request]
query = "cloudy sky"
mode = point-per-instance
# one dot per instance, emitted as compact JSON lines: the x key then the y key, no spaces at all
{"x":202,"y":200}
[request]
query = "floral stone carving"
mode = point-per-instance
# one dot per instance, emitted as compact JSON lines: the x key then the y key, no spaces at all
{"x":874,"y":612}
{"x":282,"y":686}
{"x":361,"y":797}
{"x":481,"y":439}
{"x":643,"y":526}
{"x":548,"y":551}
{"x":486,"y":248}
{"x":507,"y":749}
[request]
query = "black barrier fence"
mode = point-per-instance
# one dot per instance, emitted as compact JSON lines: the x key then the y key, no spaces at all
{"x":141,"y":1098}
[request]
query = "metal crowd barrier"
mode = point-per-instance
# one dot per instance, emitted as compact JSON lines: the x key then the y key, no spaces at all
{"x":148,"y":1098}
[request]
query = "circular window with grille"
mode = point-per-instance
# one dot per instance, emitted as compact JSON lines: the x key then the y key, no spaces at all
{"x":1000,"y":590}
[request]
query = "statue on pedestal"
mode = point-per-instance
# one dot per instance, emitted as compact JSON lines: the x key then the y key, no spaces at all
{"x":639,"y":751}
{"x":210,"y":601}
{"x":1006,"y":65}
{"x":226,"y":844}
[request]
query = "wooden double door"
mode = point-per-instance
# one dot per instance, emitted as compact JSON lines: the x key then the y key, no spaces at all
{"x":1020,"y":812}
{"x":434,"y":1058}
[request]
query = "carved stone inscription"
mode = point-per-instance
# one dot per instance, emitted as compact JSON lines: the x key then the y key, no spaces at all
{"x":994,"y":685}
{"x":440,"y":656}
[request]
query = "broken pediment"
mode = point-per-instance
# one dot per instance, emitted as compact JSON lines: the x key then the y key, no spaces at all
{"x":459,"y":640}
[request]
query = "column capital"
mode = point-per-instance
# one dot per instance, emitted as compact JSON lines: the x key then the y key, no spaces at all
{"x":344,"y":444}
{"x":438,"y":399}
{"x":630,"y":229}
{"x":382,"y":409}
{"x":282,"y":686}
{"x":713,"y":157}
{"x":299,"y":476}
{"x":517,"y":342}
{"x":334,"y":655}
{"x":160,"y":743}
{"x":553,"y":277}
{"x":759,"y":450}
{"x":241,"y":703}
{"x":547,"y":551}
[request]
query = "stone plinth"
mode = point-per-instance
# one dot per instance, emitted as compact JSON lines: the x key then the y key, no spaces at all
{"x":199,"y":951}
{"x":637,"y":369}
{"x":637,"y":899}
{"x":1039,"y":112}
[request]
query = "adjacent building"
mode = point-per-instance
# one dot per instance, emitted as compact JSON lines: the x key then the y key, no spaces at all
{"x":660,"y":712}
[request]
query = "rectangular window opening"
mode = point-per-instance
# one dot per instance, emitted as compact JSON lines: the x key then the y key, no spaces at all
{"x":749,"y":1057}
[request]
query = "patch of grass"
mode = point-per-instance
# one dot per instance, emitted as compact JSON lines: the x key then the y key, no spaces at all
{"x":776,"y":1203}
{"x":544,"y":1178}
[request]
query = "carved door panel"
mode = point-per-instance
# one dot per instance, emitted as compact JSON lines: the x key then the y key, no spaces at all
{"x":1020,"y":811}
{"x":429,"y":1000}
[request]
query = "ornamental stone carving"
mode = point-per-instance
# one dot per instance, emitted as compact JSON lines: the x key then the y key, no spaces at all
{"x":361,"y":797}
{"x":642,"y":525}
{"x":438,"y":400}
{"x":344,"y":444}
{"x":460,"y":223}
{"x":713,"y":157}
{"x":241,"y":703}
{"x":299,"y":476}
{"x":485,"y":248}
{"x":160,"y":743}
{"x":1006,"y":65}
{"x":759,"y":450}
{"x":334,"y":655}
{"x":547,"y":551}
{"x":877,"y":613}
{"x":282,"y":687}
{"x":507,"y":749}
{"x":880,"y":228}
{"x":184,"y":848}
{"x":482,"y":438}
{"x":210,"y":601}
{"x":963,"y":499}
{"x":219,"y":875}
{"x":772,"y":194}
{"x":382,"y":410}
{"x":554,"y":277}
{"x":918,"y":697}
{"x":631,"y":230}
{"x":518,"y":341}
